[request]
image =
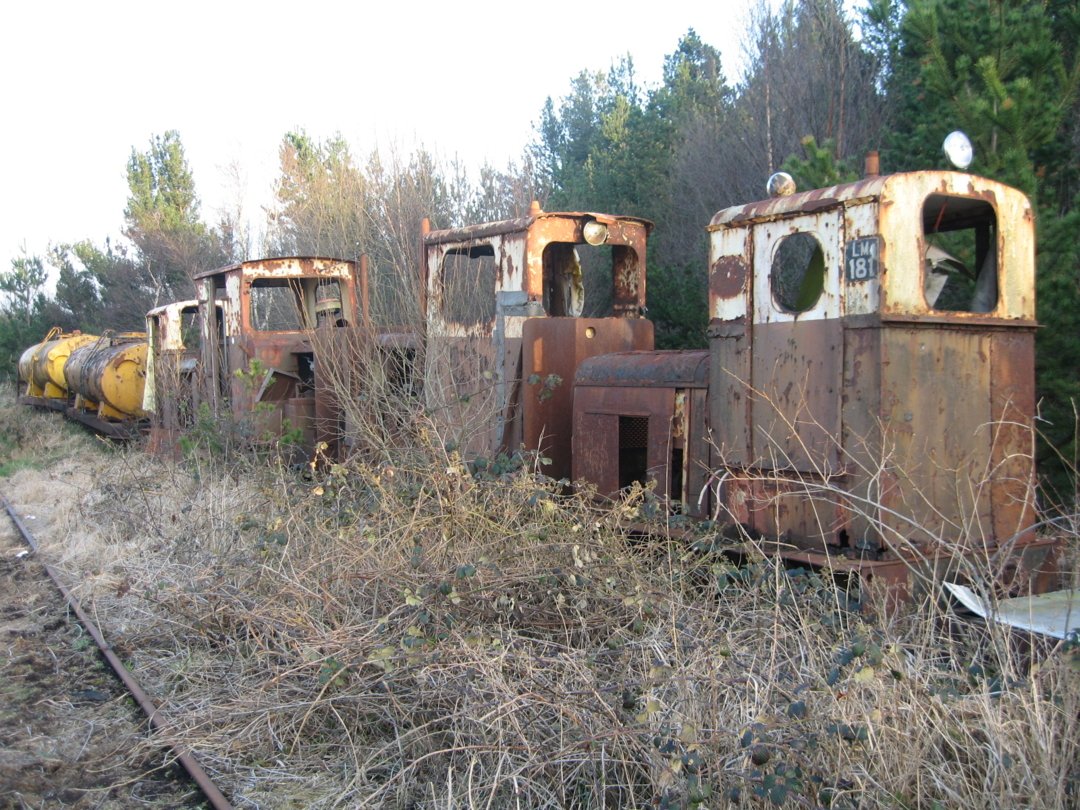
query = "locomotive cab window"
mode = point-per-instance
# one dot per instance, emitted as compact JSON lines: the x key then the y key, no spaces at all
{"x":797,"y":276}
{"x":960,"y":268}
{"x":564,"y":281}
{"x":578,"y":280}
{"x":275,"y":305}
{"x":189,"y":328}
{"x":468,"y":285}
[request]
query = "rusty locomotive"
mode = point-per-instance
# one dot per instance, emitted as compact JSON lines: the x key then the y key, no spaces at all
{"x":866,"y":400}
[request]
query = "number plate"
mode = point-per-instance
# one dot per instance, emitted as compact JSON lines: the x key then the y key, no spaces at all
{"x":861,"y":258}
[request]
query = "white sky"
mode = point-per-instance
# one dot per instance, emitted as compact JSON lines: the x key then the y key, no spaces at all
{"x":82,"y":83}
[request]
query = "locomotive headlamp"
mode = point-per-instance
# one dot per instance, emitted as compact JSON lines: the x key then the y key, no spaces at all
{"x":958,"y":149}
{"x":780,"y":184}
{"x":595,"y":233}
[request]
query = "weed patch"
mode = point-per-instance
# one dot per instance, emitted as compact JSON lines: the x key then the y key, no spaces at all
{"x":430,"y":632}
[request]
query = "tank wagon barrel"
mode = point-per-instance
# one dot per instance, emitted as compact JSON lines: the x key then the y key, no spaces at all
{"x":108,"y":377}
{"x":42,"y":367}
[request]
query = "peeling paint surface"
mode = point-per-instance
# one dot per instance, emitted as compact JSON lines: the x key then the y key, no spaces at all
{"x":499,"y":370}
{"x":920,"y":409}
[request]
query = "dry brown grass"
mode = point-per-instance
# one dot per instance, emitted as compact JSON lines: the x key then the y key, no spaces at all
{"x":411,"y":634}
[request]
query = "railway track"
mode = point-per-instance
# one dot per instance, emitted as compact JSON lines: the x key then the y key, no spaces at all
{"x":56,"y":697}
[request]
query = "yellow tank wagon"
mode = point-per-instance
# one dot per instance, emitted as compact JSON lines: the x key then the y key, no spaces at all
{"x":108,"y":378}
{"x":43,"y":368}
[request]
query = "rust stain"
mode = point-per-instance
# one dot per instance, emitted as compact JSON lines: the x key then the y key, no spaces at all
{"x":728,"y":276}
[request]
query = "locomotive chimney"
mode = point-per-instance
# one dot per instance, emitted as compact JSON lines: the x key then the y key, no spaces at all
{"x":872,"y":164}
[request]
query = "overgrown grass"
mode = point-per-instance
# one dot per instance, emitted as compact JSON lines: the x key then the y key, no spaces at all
{"x":32,"y":439}
{"x":405,"y":630}
{"x":419,"y":635}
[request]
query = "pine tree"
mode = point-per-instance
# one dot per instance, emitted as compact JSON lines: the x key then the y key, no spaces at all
{"x":172,"y":243}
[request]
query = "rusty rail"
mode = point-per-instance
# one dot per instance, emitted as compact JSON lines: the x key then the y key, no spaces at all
{"x":186,"y":759}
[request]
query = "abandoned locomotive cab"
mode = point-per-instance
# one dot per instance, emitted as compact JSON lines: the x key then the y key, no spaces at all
{"x":513,"y":309}
{"x":257,"y":320}
{"x":872,"y":356}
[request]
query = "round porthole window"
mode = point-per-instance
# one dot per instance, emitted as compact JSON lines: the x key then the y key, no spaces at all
{"x":798,"y":272}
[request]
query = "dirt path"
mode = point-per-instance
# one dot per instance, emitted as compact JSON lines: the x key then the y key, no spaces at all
{"x":70,"y":737}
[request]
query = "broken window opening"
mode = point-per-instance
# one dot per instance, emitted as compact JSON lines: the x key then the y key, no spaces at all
{"x":960,"y":272}
{"x":305,"y":371}
{"x":797,"y":276}
{"x":190,"y":335}
{"x":564,"y":281}
{"x":469,"y":277}
{"x":275,"y":305}
{"x":578,"y":280}
{"x":329,"y":307}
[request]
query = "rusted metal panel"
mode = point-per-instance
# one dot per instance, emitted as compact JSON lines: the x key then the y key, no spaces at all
{"x":864,"y":259}
{"x":286,"y":267}
{"x":219,"y":319}
{"x":482,"y":231}
{"x":697,"y":456}
{"x":784,"y":381}
{"x":507,"y":257}
{"x":168,"y":324}
{"x":666,"y":392}
{"x":730,"y":275}
{"x":729,"y":400}
{"x":795,"y":404}
{"x":730,"y":332}
{"x":826,"y":229}
{"x":596,"y":442}
{"x":800,"y":203}
{"x":557,"y":346}
{"x":1012,"y":434}
{"x":597,"y":447}
{"x":647,"y":369}
{"x":865,"y":457}
{"x":936,"y":411}
{"x":793,"y":509}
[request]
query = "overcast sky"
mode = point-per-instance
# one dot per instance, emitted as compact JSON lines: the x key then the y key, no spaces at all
{"x":82,"y":83}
